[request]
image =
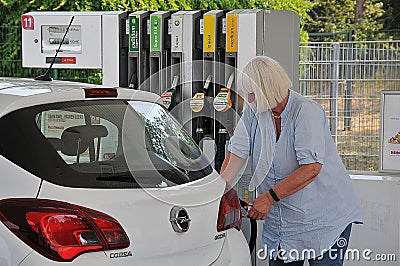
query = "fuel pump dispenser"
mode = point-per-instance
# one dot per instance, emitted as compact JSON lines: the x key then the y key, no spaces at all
{"x":225,"y":98}
{"x":251,"y":33}
{"x":139,"y":44}
{"x":282,"y":42}
{"x":186,"y":53}
{"x":213,"y":59}
{"x":160,"y":51}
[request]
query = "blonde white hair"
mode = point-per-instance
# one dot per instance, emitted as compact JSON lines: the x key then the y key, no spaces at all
{"x":269,"y":82}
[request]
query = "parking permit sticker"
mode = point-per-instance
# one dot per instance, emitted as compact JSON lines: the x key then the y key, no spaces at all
{"x":197,"y":102}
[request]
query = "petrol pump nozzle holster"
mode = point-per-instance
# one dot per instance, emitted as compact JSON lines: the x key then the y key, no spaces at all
{"x":169,"y":98}
{"x":197,"y":102}
{"x":222,"y":102}
{"x":169,"y":95}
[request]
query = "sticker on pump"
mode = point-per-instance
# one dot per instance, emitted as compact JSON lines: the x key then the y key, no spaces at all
{"x":197,"y":102}
{"x":155,"y":33}
{"x":209,"y":34}
{"x":231,"y":36}
{"x":133,"y":34}
{"x":222,"y":102}
{"x":71,"y":60}
{"x":177,"y":33}
{"x":28,"y":22}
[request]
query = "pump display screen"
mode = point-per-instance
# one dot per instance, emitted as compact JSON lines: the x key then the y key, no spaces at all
{"x":52,"y":36}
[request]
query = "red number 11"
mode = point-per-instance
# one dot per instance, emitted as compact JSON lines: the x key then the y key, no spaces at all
{"x":28,"y":22}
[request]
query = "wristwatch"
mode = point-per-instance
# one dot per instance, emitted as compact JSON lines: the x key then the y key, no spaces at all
{"x":273,"y":195}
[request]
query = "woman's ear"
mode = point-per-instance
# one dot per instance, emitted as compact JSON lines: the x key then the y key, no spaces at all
{"x":251,"y":97}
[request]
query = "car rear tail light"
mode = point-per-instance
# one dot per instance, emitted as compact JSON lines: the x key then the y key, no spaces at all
{"x":61,"y":231}
{"x":100,"y":92}
{"x":230,"y":214}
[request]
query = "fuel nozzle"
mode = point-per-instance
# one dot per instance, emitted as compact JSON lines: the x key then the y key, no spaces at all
{"x":197,"y":102}
{"x":222,"y":102}
{"x":197,"y":105}
{"x":169,"y":95}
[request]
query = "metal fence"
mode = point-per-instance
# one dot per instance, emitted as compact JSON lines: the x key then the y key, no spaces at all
{"x":346,"y":78}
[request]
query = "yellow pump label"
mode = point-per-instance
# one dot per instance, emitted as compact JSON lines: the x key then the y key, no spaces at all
{"x":231,"y":33}
{"x":209,"y":34}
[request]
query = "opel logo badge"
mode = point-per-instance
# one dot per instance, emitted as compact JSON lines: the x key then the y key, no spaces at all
{"x":179,"y":219}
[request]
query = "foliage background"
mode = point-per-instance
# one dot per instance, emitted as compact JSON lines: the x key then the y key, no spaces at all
{"x":316,"y":16}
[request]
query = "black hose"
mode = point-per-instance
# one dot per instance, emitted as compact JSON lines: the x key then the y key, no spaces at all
{"x":199,"y":130}
{"x":220,"y":149}
{"x":253,"y":228}
{"x":253,"y":234}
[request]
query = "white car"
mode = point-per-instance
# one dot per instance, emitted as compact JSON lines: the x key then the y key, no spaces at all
{"x":105,"y":176}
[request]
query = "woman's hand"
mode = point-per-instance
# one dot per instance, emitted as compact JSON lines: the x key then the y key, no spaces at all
{"x":261,"y":206}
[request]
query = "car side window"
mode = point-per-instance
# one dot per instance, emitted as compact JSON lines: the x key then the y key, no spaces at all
{"x":96,"y":137}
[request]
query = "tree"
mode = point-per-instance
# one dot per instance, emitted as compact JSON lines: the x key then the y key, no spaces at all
{"x":391,"y":20}
{"x":365,"y":17}
{"x":359,"y":14}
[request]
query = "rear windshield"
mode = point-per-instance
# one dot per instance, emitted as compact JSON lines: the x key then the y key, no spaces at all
{"x":102,"y":144}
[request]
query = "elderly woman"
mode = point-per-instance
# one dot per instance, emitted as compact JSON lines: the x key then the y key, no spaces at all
{"x":305,"y":195}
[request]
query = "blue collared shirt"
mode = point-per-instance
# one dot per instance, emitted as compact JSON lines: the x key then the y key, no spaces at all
{"x":314,"y":217}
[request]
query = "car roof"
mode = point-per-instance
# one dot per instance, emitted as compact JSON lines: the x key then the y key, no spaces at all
{"x":16,"y":93}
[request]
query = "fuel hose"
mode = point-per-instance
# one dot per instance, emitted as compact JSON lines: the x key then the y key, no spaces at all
{"x":253,"y":226}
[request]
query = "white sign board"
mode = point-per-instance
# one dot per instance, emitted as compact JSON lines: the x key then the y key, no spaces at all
{"x":52,"y":36}
{"x":42,"y":33}
{"x":390,"y":131}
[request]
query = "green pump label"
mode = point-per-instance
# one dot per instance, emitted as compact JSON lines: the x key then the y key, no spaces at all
{"x":133,"y":34}
{"x":155,"y":33}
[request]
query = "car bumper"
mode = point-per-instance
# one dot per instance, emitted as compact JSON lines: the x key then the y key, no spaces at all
{"x":234,"y":252}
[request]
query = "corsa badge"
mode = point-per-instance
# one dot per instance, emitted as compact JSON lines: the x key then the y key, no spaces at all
{"x":220,"y":236}
{"x":116,"y":255}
